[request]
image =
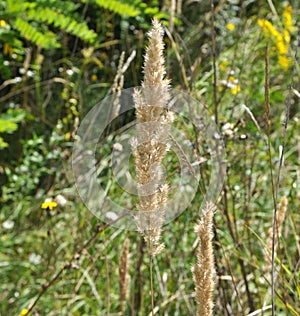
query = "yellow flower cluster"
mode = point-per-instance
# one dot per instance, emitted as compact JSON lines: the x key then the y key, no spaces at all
{"x":234,"y":86}
{"x":287,"y":18}
{"x":24,"y":312}
{"x":232,"y":83}
{"x":230,"y":26}
{"x":235,"y":89}
{"x":49,"y":205}
{"x":2,"y":24}
{"x":281,"y":39}
{"x":223,"y":65}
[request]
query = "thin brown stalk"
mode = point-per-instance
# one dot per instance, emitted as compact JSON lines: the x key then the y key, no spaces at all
{"x":172,"y":15}
{"x":151,"y":284}
{"x":267,"y":104}
{"x":107,"y":270}
{"x":214,"y":57}
{"x":204,"y":269}
{"x":124,"y":277}
{"x":137,"y":283}
{"x":179,"y":7}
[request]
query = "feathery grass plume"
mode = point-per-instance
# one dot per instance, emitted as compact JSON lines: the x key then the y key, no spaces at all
{"x":117,"y":87}
{"x":204,"y":270}
{"x":151,"y":144}
{"x":280,"y":215}
{"x":124,"y":277}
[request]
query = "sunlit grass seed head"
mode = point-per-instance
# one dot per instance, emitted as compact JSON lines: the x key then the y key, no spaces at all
{"x":150,"y":146}
{"x":280,"y":216}
{"x":124,"y":277}
{"x":204,"y":270}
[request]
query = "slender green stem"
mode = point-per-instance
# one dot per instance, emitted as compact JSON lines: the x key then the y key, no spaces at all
{"x":267,"y":103}
{"x":151,"y":274}
{"x":151,"y":284}
{"x":107,"y":278}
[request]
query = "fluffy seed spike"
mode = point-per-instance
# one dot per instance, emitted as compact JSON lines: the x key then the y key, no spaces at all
{"x":280,"y":216}
{"x":151,"y":144}
{"x":124,"y":277}
{"x":154,"y":69}
{"x":204,"y":270}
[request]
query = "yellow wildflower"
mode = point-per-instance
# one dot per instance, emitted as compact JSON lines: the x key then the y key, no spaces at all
{"x":67,"y":136}
{"x":283,"y":61}
{"x":230,"y":26}
{"x":223,"y":65}
{"x":49,"y":205}
{"x":262,"y":24}
{"x":280,"y":39}
{"x":3,"y":24}
{"x":281,"y":47}
{"x":265,"y":25}
{"x":287,"y":18}
{"x":231,"y":78}
{"x":24,"y":312}
{"x":288,"y":8}
{"x":235,"y":89}
{"x":286,"y":36}
{"x":94,"y":77}
{"x":273,"y":30}
{"x":268,"y":28}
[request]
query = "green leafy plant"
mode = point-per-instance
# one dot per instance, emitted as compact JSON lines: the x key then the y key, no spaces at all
{"x":9,"y":123}
{"x":119,"y":7}
{"x":36,"y":22}
{"x":34,"y":167}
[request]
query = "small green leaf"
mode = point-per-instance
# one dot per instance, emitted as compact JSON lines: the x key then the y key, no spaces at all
{"x":13,"y":115}
{"x":118,"y":7}
{"x":3,"y":144}
{"x":7,"y":126}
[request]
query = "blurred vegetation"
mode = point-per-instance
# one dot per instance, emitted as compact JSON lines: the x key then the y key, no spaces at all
{"x":60,"y":58}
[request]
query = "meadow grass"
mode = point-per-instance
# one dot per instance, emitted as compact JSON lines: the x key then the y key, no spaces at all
{"x":245,"y":250}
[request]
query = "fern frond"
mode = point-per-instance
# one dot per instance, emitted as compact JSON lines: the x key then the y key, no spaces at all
{"x":19,"y":6}
{"x":118,"y":7}
{"x":45,"y":40}
{"x":67,"y":23}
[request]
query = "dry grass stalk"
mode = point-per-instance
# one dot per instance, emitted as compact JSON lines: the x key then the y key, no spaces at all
{"x":117,"y":87}
{"x":280,"y":215}
{"x":179,"y":8}
{"x":204,"y":269}
{"x":172,"y":15}
{"x":124,"y":277}
{"x":151,"y":144}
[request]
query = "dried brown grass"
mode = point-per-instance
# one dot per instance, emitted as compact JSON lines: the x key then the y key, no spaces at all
{"x":124,"y":277}
{"x":280,"y":216}
{"x":204,"y":269}
{"x":151,"y":144}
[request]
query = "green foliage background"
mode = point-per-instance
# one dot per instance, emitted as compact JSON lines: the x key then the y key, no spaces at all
{"x":57,"y":60}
